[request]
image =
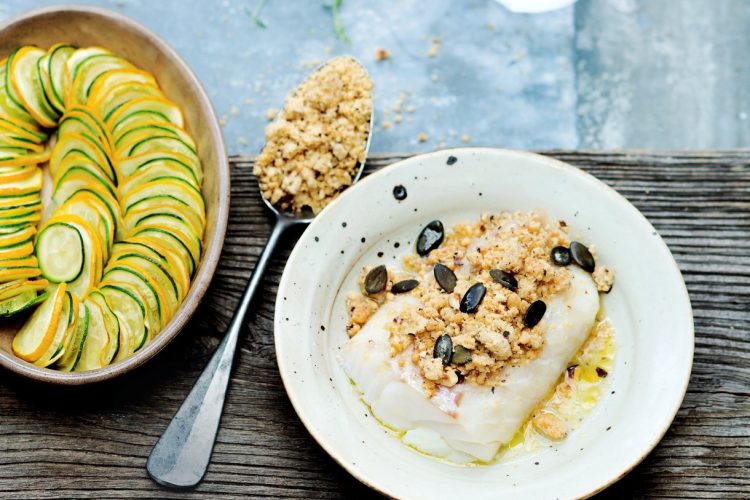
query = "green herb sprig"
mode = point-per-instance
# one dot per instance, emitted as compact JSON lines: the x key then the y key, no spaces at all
{"x":338,"y":25}
{"x":255,"y":14}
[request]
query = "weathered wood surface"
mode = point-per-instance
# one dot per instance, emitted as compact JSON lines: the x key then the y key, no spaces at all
{"x":93,"y":442}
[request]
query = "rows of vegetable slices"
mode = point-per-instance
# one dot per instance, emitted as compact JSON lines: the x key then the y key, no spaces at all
{"x":123,"y":231}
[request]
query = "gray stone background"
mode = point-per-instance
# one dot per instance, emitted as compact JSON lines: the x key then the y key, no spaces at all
{"x":599,"y":74}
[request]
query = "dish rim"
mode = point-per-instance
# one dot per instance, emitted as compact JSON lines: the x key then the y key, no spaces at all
{"x":212,"y":251}
{"x":355,"y":469}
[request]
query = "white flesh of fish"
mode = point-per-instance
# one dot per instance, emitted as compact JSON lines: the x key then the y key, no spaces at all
{"x":466,"y":423}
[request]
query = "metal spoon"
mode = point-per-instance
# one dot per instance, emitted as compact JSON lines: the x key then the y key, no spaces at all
{"x":181,"y":456}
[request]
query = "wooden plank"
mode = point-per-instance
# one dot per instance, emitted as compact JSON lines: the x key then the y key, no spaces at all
{"x":93,"y":442}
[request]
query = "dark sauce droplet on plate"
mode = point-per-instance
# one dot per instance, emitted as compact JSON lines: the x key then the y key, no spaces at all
{"x":399,"y":192}
{"x":451,"y":160}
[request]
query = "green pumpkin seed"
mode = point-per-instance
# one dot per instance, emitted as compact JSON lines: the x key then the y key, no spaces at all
{"x":443,"y":349}
{"x":376,"y":280}
{"x":461,"y":355}
{"x":404,"y":286}
{"x":582,"y":256}
{"x":430,"y":237}
{"x":504,"y":278}
{"x":534,"y":313}
{"x":445,"y":277}
{"x":472,"y":298}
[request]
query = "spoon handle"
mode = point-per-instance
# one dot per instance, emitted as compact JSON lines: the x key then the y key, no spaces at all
{"x":181,"y":456}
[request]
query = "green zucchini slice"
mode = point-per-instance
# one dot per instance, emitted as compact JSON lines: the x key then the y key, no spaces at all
{"x":60,"y":252}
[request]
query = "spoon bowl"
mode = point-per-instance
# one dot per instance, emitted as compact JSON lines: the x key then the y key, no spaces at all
{"x":307,"y":217}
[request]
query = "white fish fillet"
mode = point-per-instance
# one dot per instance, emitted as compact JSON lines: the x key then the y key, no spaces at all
{"x":466,"y":423}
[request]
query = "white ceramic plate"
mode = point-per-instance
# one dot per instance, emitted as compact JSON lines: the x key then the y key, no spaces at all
{"x":649,"y":307}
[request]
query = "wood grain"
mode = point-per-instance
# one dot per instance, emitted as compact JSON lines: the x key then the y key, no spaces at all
{"x":93,"y":442}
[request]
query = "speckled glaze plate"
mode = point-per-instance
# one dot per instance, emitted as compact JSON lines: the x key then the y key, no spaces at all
{"x":649,"y":307}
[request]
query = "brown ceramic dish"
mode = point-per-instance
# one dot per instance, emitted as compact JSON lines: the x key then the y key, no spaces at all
{"x":85,"y":26}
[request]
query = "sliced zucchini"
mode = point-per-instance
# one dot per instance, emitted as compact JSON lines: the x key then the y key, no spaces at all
{"x":169,"y":240}
{"x":9,"y":212}
{"x":175,"y":225}
{"x":91,"y":271}
{"x":76,"y":59}
{"x":142,"y":214}
{"x":156,"y":107}
{"x":32,"y":184}
{"x":143,"y":130}
{"x":84,"y":172}
{"x":18,"y":236}
{"x":10,"y":175}
{"x":75,"y":185}
{"x":105,"y":85}
{"x":130,"y":311}
{"x":13,"y":157}
{"x":53,"y":73}
{"x":17,"y":250}
{"x":15,"y":273}
{"x":82,"y":144}
{"x":64,"y":329}
{"x":139,"y":163}
{"x":111,"y":326}
{"x":76,"y":340}
{"x":26,"y":82}
{"x":108,"y":200}
{"x":22,"y":199}
{"x":94,"y":211}
{"x":21,"y":302}
{"x":151,"y":318}
{"x":88,"y":71}
{"x":95,"y":341}
{"x":17,"y":287}
{"x":21,"y":128}
{"x":10,"y":108}
{"x":123,"y":273}
{"x":156,"y":171}
{"x":35,"y":337}
{"x":156,"y":270}
{"x":177,"y":268}
{"x":172,"y":187}
{"x":81,"y":120}
{"x":8,"y":229}
{"x":11,"y":140}
{"x":32,"y":216}
{"x":60,"y":252}
{"x":123,"y":94}
{"x":141,"y":145}
{"x":6,"y":212}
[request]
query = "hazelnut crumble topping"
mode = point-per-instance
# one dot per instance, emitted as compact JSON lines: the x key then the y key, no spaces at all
{"x":316,"y":143}
{"x":496,"y":334}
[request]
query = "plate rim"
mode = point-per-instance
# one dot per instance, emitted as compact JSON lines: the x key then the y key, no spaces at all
{"x":286,"y":372}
